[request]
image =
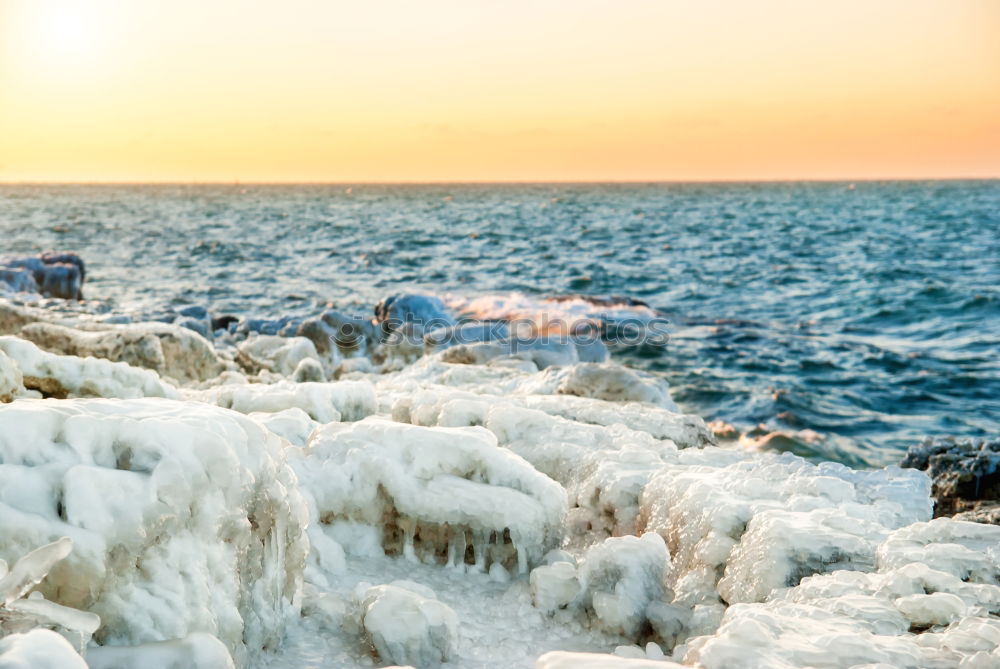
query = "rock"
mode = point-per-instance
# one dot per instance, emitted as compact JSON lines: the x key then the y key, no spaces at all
{"x":53,"y":275}
{"x":426,"y":312}
{"x":62,"y":376}
{"x":18,"y":280}
{"x":965,"y":476}
{"x":407,"y":625}
{"x":172,"y":351}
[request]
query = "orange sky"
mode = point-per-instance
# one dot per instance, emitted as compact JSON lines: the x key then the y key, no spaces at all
{"x":498,"y":90}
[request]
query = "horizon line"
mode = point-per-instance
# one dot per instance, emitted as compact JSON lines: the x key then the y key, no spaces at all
{"x":496,"y":182}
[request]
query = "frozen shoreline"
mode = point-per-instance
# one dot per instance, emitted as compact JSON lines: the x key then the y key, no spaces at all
{"x":550,"y":504}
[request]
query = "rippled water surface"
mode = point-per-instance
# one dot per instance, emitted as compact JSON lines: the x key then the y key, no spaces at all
{"x":869,"y":313}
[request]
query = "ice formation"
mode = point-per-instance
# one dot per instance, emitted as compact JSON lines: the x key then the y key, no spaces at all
{"x":406,"y":624}
{"x":184,"y":517}
{"x":446,"y":495}
{"x":172,"y":351}
{"x":63,"y":376}
{"x":323,"y":402}
{"x":939,"y":579}
{"x":553,"y":500}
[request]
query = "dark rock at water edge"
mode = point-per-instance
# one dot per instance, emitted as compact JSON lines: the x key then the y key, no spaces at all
{"x":51,"y":274}
{"x":965,"y":476}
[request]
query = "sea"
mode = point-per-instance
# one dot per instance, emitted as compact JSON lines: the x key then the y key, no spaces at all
{"x":850,"y":319}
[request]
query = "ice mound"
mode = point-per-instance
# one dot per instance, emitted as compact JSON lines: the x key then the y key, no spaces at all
{"x":38,"y":649}
{"x":63,"y":376}
{"x":739,"y":525}
{"x":281,"y":355}
{"x":172,"y":351}
{"x":969,"y":551}
{"x":406,"y":624}
{"x":621,"y":577}
{"x":849,"y":618}
{"x":323,"y":402}
{"x":445,"y":495}
{"x":184,"y":517}
{"x":293,"y":425}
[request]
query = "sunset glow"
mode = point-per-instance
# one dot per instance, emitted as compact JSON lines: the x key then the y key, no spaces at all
{"x":450,"y":90}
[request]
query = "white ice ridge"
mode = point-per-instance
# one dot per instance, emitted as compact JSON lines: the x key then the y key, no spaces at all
{"x":184,"y":517}
{"x":939,"y":579}
{"x":446,"y":495}
{"x":64,"y":376}
{"x":323,"y":402}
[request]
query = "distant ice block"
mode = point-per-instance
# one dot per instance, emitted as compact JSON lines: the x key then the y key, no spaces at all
{"x":184,"y":517}
{"x":435,"y":494}
{"x":407,"y":625}
{"x":63,"y":376}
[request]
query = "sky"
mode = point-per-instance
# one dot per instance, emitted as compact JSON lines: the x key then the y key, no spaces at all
{"x":491,"y":90}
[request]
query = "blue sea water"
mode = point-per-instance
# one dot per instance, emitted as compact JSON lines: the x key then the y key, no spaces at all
{"x":869,"y":312}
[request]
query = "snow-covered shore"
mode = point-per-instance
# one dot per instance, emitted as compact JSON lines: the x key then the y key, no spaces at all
{"x":288,"y":502}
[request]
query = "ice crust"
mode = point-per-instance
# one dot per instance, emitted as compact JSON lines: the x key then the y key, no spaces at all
{"x":552,"y":504}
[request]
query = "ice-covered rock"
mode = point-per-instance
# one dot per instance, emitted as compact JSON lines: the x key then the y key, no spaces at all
{"x":408,"y":625}
{"x":965,"y":476}
{"x":323,"y":402}
{"x":918,"y":609}
{"x":435,"y":494}
{"x":554,"y":586}
{"x":293,"y":425}
{"x":184,"y":517}
{"x":739,"y":525}
{"x":38,"y":649}
{"x":621,"y":577}
{"x":172,"y":351}
{"x":63,"y":376}
{"x":281,"y":355}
